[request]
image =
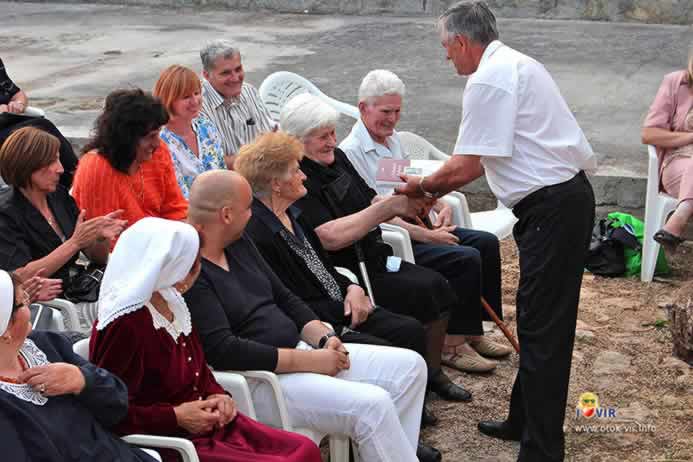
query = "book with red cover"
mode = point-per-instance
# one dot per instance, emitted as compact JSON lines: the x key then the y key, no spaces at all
{"x":389,"y":170}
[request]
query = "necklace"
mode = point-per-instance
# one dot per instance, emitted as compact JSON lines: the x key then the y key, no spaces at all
{"x":22,"y":365}
{"x":141,"y":192}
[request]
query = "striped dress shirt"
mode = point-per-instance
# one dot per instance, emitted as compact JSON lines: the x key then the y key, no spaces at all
{"x":240,"y":119}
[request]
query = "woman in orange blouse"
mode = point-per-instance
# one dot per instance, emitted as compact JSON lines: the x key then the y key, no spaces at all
{"x":126,"y":165}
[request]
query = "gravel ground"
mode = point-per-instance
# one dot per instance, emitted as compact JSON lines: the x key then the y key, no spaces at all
{"x":623,"y":354}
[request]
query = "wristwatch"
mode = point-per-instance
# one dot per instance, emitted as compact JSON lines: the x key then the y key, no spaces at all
{"x":427,"y":194}
{"x":325,"y":338}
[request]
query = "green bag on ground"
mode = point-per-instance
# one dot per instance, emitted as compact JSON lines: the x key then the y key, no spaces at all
{"x":633,"y":257}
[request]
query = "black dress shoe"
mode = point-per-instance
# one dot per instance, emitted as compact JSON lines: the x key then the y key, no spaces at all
{"x":428,"y":453}
{"x":499,"y":429}
{"x":428,"y":419}
{"x":447,"y":389}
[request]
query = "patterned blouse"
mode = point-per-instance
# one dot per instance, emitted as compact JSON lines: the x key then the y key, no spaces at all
{"x":185,"y":162}
{"x":307,"y":253}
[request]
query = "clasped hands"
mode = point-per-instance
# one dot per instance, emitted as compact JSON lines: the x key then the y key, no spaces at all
{"x":203,"y":416}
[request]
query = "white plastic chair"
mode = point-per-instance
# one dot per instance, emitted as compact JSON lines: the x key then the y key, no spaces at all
{"x":339,"y":444}
{"x":499,"y":221}
{"x":68,"y":311}
{"x":184,"y":447}
{"x":658,"y":206}
{"x":32,"y":111}
{"x":278,"y":88}
{"x":398,"y":238}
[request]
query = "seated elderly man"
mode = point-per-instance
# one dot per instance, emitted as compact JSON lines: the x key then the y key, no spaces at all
{"x":248,"y":319}
{"x":233,"y":105}
{"x":469,"y":259}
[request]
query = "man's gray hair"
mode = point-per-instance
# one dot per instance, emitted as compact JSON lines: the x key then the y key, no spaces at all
{"x":380,"y":82}
{"x":306,"y":112}
{"x":216,"y":49}
{"x":472,"y":19}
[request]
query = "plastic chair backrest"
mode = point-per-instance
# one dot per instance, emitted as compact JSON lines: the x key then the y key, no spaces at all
{"x":278,"y":88}
{"x":417,"y":147}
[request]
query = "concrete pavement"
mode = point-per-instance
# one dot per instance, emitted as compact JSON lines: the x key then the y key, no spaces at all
{"x":68,"y":57}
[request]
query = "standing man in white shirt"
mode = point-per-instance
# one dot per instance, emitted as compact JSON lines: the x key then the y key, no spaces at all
{"x":233,"y":105}
{"x":518,"y":130}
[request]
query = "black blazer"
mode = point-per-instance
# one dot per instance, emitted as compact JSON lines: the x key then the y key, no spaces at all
{"x":25,"y":235}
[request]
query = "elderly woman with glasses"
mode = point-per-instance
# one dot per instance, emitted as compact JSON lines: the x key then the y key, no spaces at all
{"x":54,"y":405}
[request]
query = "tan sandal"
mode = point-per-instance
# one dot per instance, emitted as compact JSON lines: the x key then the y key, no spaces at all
{"x":467,"y":361}
{"x":491,"y":349}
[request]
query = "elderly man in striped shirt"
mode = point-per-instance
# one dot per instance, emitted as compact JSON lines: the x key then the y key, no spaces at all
{"x":231,"y":104}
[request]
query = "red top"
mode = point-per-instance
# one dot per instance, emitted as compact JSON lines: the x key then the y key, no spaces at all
{"x":151,"y":192}
{"x":160,"y":373}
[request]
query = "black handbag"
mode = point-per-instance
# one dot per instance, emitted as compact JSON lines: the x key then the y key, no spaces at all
{"x":84,"y":286}
{"x":605,"y":256}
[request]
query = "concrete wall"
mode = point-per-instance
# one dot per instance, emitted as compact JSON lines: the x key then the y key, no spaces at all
{"x":645,"y":11}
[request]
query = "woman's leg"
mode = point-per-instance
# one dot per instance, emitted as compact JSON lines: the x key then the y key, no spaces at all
{"x":677,"y":179}
{"x":377,"y":402}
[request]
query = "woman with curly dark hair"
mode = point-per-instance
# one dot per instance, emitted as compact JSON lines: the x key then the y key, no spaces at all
{"x":126,"y":165}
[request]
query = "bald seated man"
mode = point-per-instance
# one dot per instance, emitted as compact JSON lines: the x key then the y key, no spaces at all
{"x":248,"y":320}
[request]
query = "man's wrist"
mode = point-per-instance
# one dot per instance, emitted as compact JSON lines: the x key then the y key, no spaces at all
{"x":426,"y":193}
{"x":322,"y":343}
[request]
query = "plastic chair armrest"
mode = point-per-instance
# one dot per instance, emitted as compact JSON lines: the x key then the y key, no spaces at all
{"x":236,"y":384}
{"x":184,"y":447}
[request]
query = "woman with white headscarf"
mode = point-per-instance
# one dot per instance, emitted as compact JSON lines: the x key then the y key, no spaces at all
{"x":145,"y":337}
{"x":54,"y":405}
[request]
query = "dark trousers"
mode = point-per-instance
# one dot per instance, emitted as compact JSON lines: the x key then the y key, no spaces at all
{"x":472,"y":267}
{"x":552,"y":235}
{"x":382,"y":327}
{"x":11,"y":122}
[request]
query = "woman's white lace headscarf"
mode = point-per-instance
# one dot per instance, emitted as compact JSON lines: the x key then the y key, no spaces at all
{"x":6,"y":300}
{"x":150,"y":256}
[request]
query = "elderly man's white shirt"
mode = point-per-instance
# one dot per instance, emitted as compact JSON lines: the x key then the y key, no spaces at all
{"x":363,"y":153}
{"x":513,"y":115}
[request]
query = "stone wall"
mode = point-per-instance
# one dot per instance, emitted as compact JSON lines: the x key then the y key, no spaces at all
{"x":644,"y":11}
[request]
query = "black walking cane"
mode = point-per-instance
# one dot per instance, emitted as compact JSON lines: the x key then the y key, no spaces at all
{"x":360,"y":256}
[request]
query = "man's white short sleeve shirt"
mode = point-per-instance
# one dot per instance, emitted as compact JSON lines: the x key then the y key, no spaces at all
{"x":513,"y":115}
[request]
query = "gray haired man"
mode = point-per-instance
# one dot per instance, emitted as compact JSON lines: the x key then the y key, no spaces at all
{"x":233,"y":105}
{"x":518,"y":131}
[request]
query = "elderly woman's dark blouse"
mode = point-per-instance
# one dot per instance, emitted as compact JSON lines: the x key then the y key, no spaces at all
{"x":268,"y":233}
{"x":7,"y":87}
{"x":355,"y":195}
{"x":67,"y":427}
{"x":25,"y":235}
